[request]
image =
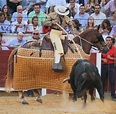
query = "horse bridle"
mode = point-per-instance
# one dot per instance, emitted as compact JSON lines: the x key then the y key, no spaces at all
{"x":100,"y":39}
{"x":84,"y":40}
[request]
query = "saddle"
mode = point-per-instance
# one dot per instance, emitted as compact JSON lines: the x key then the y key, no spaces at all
{"x":47,"y":44}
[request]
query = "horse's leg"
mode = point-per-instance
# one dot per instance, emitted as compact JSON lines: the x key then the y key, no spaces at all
{"x":38,"y":92}
{"x":21,"y":96}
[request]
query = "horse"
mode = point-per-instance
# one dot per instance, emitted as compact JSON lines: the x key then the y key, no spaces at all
{"x":89,"y":38}
{"x":86,"y":39}
{"x":10,"y":72}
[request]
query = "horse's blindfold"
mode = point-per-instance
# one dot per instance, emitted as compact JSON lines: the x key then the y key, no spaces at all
{"x":100,"y":39}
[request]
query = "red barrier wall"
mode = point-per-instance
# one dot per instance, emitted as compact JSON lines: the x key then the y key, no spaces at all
{"x":4,"y":54}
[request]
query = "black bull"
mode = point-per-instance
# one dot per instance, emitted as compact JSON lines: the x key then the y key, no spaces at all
{"x":85,"y":76}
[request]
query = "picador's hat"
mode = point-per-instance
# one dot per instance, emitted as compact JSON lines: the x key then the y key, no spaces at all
{"x":61,"y":10}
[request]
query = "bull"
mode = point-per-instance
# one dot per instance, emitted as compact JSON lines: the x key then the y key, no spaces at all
{"x":85,"y":76}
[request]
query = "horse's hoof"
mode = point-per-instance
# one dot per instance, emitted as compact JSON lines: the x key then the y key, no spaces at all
{"x":39,"y":100}
{"x":24,"y":101}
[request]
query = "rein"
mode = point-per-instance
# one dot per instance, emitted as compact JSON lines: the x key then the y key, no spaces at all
{"x":82,"y":39}
{"x":86,"y":42}
{"x":99,"y":39}
{"x":71,"y":39}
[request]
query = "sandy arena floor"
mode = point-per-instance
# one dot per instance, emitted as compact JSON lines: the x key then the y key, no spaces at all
{"x":54,"y":104}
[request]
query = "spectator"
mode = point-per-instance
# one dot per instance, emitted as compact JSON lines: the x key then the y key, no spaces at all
{"x":19,"y":10}
{"x":98,"y":15}
{"x":18,"y":42}
{"x":112,"y":18}
{"x":90,"y":6}
{"x":82,"y":16}
{"x":36,"y":36}
{"x":67,"y":1}
{"x":102,"y":4}
{"x":74,"y":8}
{"x":90,"y":23}
{"x":43,"y":5}
{"x":54,"y":2}
{"x":2,"y":3}
{"x":99,"y":1}
{"x":12,"y":4}
{"x":5,"y":25}
{"x":41,"y":16}
{"x":107,"y":67}
{"x":6,"y":12}
{"x":82,"y":2}
{"x":111,"y":6}
{"x":113,"y":32}
{"x":37,"y":40}
{"x":105,"y":28}
{"x":76,"y":27}
{"x":28,"y":5}
{"x":19,"y":25}
{"x":34,"y":25}
{"x":1,"y":46}
{"x":23,"y":3}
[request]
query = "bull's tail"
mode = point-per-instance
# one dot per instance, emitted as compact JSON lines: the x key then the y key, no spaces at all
{"x":91,"y":76}
{"x":10,"y":71}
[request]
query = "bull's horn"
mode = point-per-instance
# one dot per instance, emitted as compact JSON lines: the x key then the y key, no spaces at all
{"x":66,"y":79}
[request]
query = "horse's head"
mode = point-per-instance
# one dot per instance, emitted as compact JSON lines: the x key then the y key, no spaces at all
{"x":99,"y":42}
{"x":89,"y":38}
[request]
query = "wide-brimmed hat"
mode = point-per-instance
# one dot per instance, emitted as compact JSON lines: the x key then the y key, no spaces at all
{"x":61,"y":10}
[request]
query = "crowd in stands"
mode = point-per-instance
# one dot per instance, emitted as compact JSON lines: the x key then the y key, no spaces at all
{"x":26,"y":16}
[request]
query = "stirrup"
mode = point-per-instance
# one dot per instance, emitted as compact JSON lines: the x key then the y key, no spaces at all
{"x":57,"y":67}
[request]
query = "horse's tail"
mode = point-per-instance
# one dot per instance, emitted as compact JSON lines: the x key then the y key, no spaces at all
{"x":10,"y":71}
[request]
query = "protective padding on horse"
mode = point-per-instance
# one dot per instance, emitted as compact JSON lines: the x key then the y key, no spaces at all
{"x":31,"y":72}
